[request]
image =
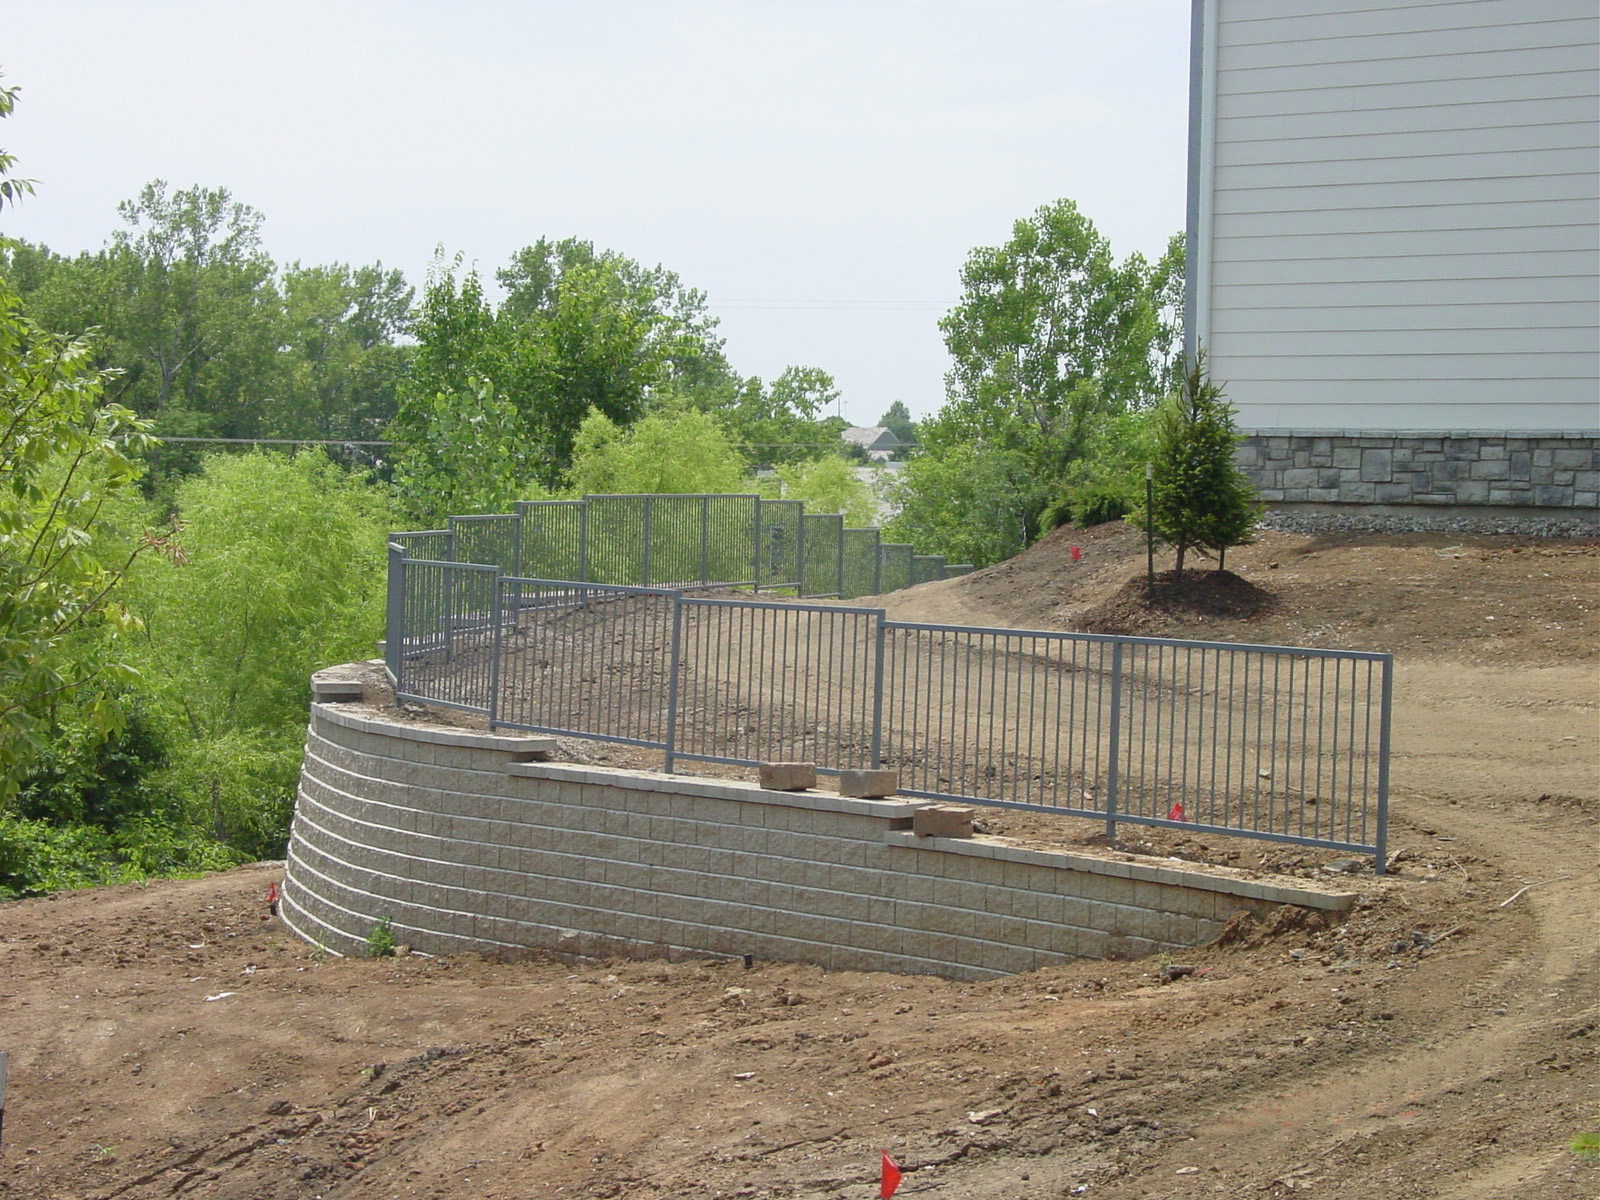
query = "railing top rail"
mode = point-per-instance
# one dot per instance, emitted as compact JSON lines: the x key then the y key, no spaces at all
{"x":673,"y":496}
{"x":435,"y":562}
{"x":486,"y":517}
{"x":1130,"y":640}
{"x":574,"y":585}
{"x":724,"y":602}
{"x":420,"y":533}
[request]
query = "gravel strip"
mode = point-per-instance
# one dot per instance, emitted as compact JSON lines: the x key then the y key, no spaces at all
{"x":1550,"y":527}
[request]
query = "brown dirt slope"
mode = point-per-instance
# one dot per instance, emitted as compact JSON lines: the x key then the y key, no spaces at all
{"x":1443,"y":1042}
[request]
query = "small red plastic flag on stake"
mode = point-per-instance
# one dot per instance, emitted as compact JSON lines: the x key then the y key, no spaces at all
{"x":1175,"y":813}
{"x":1077,"y":553}
{"x":891,"y":1178}
{"x":272,"y":898}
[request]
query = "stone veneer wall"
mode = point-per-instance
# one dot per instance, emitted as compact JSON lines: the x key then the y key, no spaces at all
{"x":1554,"y":471}
{"x":465,"y":844}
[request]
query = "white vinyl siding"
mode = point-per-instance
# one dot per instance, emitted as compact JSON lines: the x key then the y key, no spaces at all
{"x":1400,"y":213}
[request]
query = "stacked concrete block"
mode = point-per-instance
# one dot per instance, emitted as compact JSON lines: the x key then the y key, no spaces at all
{"x":465,"y":842}
{"x":1554,"y":470}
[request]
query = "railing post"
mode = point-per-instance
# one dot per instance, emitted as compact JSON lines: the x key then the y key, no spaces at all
{"x":394,"y":618}
{"x":705,"y":541}
{"x":877,"y":566}
{"x":494,"y":650}
{"x":1115,"y":750}
{"x":583,"y":540}
{"x":877,"y":694}
{"x":645,"y":562}
{"x":1380,"y":863}
{"x":450,"y":583}
{"x":672,"y":682}
{"x":757,"y":548}
{"x":839,"y":588}
{"x":800,"y":554}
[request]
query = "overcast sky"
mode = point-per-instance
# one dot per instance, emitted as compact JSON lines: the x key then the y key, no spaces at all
{"x":819,"y":169}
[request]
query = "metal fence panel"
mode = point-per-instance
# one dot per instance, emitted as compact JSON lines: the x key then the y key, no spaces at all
{"x":586,"y":659}
{"x":1281,"y":742}
{"x":781,"y":542}
{"x":951,"y":570}
{"x":823,"y":538}
{"x":616,"y":539}
{"x":1016,"y":718}
{"x":771,"y":682}
{"x":447,"y":636}
{"x":731,"y":539}
{"x":925,"y":568}
{"x":435,"y":545}
{"x":861,"y":563}
{"x":553,"y":538}
{"x":494,"y":539}
{"x":896,"y":570}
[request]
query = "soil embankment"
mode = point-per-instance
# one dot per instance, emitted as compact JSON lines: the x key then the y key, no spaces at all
{"x":1443,"y":1042}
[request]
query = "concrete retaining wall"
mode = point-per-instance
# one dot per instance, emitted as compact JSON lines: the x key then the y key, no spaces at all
{"x":464,"y":844}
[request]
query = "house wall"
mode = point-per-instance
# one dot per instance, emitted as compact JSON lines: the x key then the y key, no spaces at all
{"x":1394,"y":215}
{"x":463,"y":844}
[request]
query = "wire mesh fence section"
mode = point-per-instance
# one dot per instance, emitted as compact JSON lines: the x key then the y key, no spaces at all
{"x":925,"y":568}
{"x":861,"y":562}
{"x":435,"y":545}
{"x":446,"y":643}
{"x":951,"y":570}
{"x":779,"y":541}
{"x":769,"y":682}
{"x":821,"y":572}
{"x":494,"y":540}
{"x":585,"y":659}
{"x":1283,"y":742}
{"x":895,"y":572}
{"x":615,"y":540}
{"x":1012,"y":718}
{"x":731,"y":539}
{"x":553,"y":537}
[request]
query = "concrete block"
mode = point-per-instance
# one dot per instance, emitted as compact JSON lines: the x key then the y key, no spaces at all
{"x":868,"y":785}
{"x":1376,"y":465}
{"x":787,"y":776}
{"x":941,"y":820}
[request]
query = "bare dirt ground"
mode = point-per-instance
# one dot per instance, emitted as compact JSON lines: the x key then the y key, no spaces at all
{"x":1444,"y":1041}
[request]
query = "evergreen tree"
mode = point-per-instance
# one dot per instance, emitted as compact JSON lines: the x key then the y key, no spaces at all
{"x":1200,"y":500}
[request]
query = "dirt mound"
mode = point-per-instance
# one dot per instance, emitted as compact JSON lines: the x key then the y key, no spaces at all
{"x":174,"y":1040}
{"x":1139,"y":609}
{"x":1503,"y":600}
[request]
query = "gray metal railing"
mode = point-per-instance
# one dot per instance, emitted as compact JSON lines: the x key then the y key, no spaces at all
{"x":682,"y":540}
{"x":1283,"y":743}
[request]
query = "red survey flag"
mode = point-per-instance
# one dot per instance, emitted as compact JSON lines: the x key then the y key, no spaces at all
{"x":1175,"y":813}
{"x":891,"y":1178}
{"x":1077,"y":553}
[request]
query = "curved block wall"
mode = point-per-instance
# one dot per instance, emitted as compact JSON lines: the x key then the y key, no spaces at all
{"x":465,"y":844}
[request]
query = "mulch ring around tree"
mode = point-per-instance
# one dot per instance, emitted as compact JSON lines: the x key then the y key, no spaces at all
{"x":1138,"y":611}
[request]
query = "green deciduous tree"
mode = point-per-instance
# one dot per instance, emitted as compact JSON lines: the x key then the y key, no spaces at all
{"x":678,"y":450}
{"x":830,"y":485}
{"x":1052,"y":338}
{"x":63,"y":451}
{"x":275,"y":569}
{"x":1200,"y":500}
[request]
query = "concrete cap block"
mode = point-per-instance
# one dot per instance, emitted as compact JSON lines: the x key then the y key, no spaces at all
{"x":942,"y":820}
{"x":337,"y":690}
{"x":787,"y":776}
{"x":868,"y":785}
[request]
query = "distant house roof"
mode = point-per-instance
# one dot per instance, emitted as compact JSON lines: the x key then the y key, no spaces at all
{"x":870,"y":438}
